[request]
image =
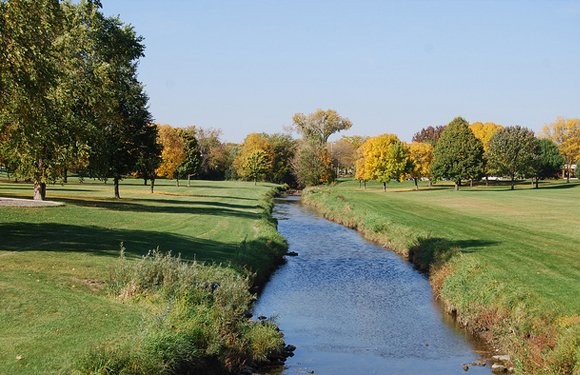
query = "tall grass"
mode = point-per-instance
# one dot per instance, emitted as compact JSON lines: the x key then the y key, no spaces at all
{"x":198,"y":323}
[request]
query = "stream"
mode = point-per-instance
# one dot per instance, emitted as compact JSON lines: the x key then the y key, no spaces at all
{"x":351,"y":307}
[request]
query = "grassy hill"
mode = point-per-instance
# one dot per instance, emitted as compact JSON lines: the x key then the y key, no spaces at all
{"x":56,"y":262}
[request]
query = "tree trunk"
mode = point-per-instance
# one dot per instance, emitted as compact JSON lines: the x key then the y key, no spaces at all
{"x":471,"y":183}
{"x":39,"y":191}
{"x":365,"y":184}
{"x":457,"y":184}
{"x":359,"y":184}
{"x":177,"y":181}
{"x":255,"y":181}
{"x":486,"y":181}
{"x":430,"y":183}
{"x":144,"y":181}
{"x":152,"y":185}
{"x":384,"y":186}
{"x":512,"y":176}
{"x":568,"y":168}
{"x":416,"y":184}
{"x":65,"y":175}
{"x":188,"y":180}
{"x":537,"y":178}
{"x":116,"y":183}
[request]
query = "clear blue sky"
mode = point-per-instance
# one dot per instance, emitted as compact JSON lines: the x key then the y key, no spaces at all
{"x":390,"y":66}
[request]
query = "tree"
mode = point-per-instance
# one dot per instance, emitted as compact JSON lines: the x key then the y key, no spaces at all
{"x":173,"y":152}
{"x":312,"y":165}
{"x":257,"y":164}
{"x":253,"y":143}
{"x":29,"y":72}
{"x":549,"y":161}
{"x":512,"y":151}
{"x":344,"y":152}
{"x":485,"y":132}
{"x":458,"y":154}
{"x":316,"y":127}
{"x":192,"y":160}
{"x":216,"y":158}
{"x":421,"y":157}
{"x":149,"y":158}
{"x":385,"y":159}
{"x":284,"y":149}
{"x":430,"y":134}
{"x":566,"y":134}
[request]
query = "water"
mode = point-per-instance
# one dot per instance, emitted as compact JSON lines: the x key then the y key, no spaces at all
{"x":351,"y":307}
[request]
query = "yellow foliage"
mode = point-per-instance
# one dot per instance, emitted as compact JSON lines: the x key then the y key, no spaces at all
{"x":566,"y":134}
{"x":254,"y":142}
{"x":173,"y":153}
{"x":383,"y":158}
{"x":484,"y":132}
{"x":421,"y":157}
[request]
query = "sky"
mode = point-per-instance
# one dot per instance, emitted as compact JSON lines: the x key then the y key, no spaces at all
{"x":389,"y":66}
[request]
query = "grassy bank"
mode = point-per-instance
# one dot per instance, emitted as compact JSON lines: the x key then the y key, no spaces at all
{"x":505,"y":262}
{"x":68,"y":299}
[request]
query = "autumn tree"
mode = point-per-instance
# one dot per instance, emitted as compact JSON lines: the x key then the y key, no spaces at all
{"x":421,"y":157}
{"x":566,"y":134}
{"x":484,"y":132}
{"x":549,"y":161}
{"x":216,"y":157}
{"x":458,"y":154}
{"x":429,"y":134}
{"x":385,"y":158}
{"x":312,"y":165}
{"x":512,"y":152}
{"x":252,"y":144}
{"x":173,"y":152}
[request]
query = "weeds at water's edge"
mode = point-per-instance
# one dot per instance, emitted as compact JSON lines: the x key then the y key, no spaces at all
{"x":197,"y":322}
{"x":507,"y":318}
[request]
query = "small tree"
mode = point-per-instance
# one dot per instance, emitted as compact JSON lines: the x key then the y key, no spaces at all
{"x":458,"y":154}
{"x":420,"y":157}
{"x":173,"y":153}
{"x":512,"y":151}
{"x":192,"y":161}
{"x":485,"y":132}
{"x":257,"y":164}
{"x":566,"y":134}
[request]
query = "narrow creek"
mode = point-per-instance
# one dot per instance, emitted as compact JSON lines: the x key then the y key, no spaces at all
{"x":350,"y":307}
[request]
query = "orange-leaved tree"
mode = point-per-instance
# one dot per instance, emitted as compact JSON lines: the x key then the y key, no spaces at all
{"x":420,"y":157}
{"x":173,"y":153}
{"x":566,"y":134}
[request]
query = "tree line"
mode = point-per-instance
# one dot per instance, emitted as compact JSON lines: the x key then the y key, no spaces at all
{"x":463,"y":152}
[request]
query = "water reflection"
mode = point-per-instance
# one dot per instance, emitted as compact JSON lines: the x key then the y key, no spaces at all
{"x":351,"y":307}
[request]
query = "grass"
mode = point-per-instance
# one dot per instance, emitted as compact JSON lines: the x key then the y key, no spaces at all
{"x":506,"y":262}
{"x":56,"y":262}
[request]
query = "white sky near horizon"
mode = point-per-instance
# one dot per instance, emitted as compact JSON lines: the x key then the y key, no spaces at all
{"x":389,"y":66}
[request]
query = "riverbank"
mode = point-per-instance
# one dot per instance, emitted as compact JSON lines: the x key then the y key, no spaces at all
{"x":504,"y":263}
{"x":71,"y":303}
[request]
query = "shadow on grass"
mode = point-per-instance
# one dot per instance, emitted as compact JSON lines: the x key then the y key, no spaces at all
{"x":437,"y":251}
{"x":22,"y":236}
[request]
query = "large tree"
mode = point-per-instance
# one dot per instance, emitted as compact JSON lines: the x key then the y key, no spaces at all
{"x":173,"y":151}
{"x":284,"y":149}
{"x":385,"y":158}
{"x":512,"y":152}
{"x":458,"y":154}
{"x":566,"y":134}
{"x":316,"y":127}
{"x":253,"y":143}
{"x":192,"y":161}
{"x":29,"y":75}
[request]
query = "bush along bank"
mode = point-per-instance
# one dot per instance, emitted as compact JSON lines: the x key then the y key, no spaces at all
{"x":196,"y":318}
{"x":507,"y":317}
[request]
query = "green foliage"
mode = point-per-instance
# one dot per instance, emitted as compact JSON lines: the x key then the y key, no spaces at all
{"x":283,"y":149}
{"x":257,"y":164}
{"x":512,"y":151}
{"x":549,"y":161}
{"x":312,"y":165}
{"x":458,"y":154}
{"x":192,"y":162}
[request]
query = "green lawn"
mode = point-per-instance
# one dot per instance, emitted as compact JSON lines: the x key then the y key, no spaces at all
{"x":519,"y":251}
{"x":54,"y":261}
